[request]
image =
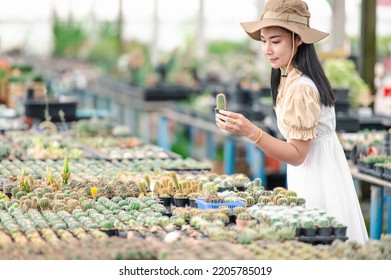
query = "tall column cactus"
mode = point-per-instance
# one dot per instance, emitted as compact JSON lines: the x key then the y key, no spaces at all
{"x":221,"y":102}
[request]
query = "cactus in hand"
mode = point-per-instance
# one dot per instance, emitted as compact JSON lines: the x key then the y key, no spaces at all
{"x":221,"y":103}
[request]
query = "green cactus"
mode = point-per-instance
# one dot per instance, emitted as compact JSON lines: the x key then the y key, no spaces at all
{"x":292,"y":200}
{"x":324,"y":223}
{"x":282,"y":201}
{"x":72,"y":204}
{"x":224,"y":209}
{"x":291,"y":194}
{"x":26,"y":205}
{"x":14,"y":191}
{"x":47,"y":190}
{"x":43,"y":203}
{"x":8,"y":188}
{"x":58,"y":206}
{"x":221,"y":102}
{"x":238,"y":209}
{"x":257,"y":182}
{"x":244,"y":216}
{"x":34,"y":202}
{"x":49,"y":195}
{"x":250,"y":201}
{"x":225,"y":184}
{"x":308,"y":223}
{"x":277,"y":190}
{"x":221,"y":217}
{"x":20,"y":194}
{"x":264,"y":199}
{"x":87,"y":204}
{"x":300,"y":201}
{"x":59,"y":196}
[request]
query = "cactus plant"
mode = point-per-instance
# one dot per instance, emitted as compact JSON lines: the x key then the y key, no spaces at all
{"x":244,"y":216}
{"x":242,"y":219}
{"x":238,"y":209}
{"x":250,"y":201}
{"x":301,"y":201}
{"x":221,"y":102}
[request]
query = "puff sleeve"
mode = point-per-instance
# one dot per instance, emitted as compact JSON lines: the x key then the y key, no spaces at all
{"x":300,"y":112}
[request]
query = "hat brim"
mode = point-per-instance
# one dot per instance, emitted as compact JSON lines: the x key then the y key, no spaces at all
{"x":307,"y":34}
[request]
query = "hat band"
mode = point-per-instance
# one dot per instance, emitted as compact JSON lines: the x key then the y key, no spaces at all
{"x":285,"y":17}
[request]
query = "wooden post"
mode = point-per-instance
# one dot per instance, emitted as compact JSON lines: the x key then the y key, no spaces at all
{"x":338,"y":25}
{"x":368,"y":43}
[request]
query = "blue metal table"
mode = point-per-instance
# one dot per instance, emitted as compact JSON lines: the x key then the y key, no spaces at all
{"x":380,"y":197}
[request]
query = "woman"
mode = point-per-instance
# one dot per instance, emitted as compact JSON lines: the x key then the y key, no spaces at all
{"x":304,"y":104}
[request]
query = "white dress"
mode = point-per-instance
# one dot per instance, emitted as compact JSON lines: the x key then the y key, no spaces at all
{"x":324,"y":178}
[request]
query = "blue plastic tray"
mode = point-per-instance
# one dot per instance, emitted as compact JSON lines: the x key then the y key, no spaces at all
{"x":205,"y":205}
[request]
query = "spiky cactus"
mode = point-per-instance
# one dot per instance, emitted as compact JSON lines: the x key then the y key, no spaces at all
{"x":221,"y":217}
{"x":244,"y":216}
{"x":250,"y":201}
{"x":264,"y":199}
{"x":282,"y":201}
{"x":43,"y":203}
{"x":221,"y":102}
{"x":257,"y":182}
{"x":300,"y":201}
{"x":224,"y":209}
{"x":238,"y":209}
{"x":292,"y":200}
{"x":291,"y":194}
{"x":277,"y":190}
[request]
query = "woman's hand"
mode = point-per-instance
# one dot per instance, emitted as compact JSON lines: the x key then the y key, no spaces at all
{"x":236,"y":123}
{"x":293,"y":152}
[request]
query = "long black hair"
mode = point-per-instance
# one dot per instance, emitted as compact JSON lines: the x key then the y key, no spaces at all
{"x":307,"y":62}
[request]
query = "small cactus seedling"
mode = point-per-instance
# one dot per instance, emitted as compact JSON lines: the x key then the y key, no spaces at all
{"x":221,"y":102}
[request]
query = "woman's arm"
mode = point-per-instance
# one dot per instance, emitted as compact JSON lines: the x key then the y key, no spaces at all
{"x":293,"y":152}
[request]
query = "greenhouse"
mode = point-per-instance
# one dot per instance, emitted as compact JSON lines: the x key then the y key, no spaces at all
{"x":195,"y":130}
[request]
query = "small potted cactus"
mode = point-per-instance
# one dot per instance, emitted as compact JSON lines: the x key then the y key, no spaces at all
{"x":192,"y":199}
{"x":324,"y":227}
{"x":221,"y":102}
{"x":339,"y":229}
{"x":181,"y":200}
{"x":308,"y":227}
{"x":242,"y":219}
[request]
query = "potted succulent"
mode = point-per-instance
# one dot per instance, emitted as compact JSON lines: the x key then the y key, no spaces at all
{"x":242,"y":219}
{"x":324,"y":227}
{"x":308,"y":227}
{"x":192,"y":199}
{"x":339,"y":229}
{"x":181,"y":200}
{"x":166,"y":199}
{"x":349,"y":87}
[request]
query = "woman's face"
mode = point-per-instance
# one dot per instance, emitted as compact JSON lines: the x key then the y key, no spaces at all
{"x":277,"y":45}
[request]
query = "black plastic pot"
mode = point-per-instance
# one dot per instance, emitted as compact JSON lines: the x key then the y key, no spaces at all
{"x":309,"y":231}
{"x":166,"y":201}
{"x":325,"y":231}
{"x":339,"y":231}
{"x":181,"y":202}
{"x":193,"y":203}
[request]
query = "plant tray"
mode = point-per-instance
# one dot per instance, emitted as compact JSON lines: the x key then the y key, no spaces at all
{"x":314,"y":240}
{"x":205,"y":205}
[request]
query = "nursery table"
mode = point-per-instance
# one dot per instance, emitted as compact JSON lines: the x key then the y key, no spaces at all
{"x":126,"y":105}
{"x":380,"y":195}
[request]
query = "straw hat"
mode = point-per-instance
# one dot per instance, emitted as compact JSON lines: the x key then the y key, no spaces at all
{"x":290,"y":14}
